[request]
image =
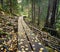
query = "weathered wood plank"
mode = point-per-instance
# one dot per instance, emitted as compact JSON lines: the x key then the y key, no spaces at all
{"x":37,"y":46}
{"x":23,"y":44}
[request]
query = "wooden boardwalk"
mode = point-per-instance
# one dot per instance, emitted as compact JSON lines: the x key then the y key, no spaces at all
{"x":27,"y":41}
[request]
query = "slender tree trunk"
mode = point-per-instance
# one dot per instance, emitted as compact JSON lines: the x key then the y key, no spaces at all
{"x":33,"y":11}
{"x":1,"y":3}
{"x":47,"y":23}
{"x":38,"y":15}
{"x":22,"y":5}
{"x":10,"y":4}
{"x":28,"y":9}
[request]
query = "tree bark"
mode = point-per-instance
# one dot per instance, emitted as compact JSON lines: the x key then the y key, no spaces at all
{"x":33,"y":11}
{"x":38,"y":15}
{"x":10,"y":4}
{"x":1,"y":2}
{"x":53,"y":14}
{"x":47,"y":23}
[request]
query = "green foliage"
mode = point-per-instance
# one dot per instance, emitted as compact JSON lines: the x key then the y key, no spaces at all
{"x":10,"y":4}
{"x":9,"y":24}
{"x":3,"y":33}
{"x":49,"y":49}
{"x":58,"y":18}
{"x":15,"y":6}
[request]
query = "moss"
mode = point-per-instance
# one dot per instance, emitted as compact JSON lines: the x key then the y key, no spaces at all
{"x":49,"y":49}
{"x":9,"y":24}
{"x":3,"y":33}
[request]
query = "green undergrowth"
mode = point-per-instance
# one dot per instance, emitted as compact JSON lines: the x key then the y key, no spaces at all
{"x":3,"y":33}
{"x":50,"y":49}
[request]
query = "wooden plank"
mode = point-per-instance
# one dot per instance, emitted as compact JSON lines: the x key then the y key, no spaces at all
{"x":37,"y":46}
{"x":23,"y":44}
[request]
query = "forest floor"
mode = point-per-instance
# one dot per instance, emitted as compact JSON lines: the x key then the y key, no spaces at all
{"x":8,"y":33}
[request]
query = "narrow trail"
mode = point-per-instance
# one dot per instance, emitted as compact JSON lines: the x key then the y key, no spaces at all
{"x":27,"y":41}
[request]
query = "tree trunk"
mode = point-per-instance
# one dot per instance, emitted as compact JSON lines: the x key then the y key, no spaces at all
{"x":1,"y":3}
{"x":10,"y":4}
{"x":39,"y":16}
{"x":33,"y":11}
{"x":47,"y":23}
{"x":51,"y":9}
{"x":22,"y":5}
{"x":53,"y":14}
